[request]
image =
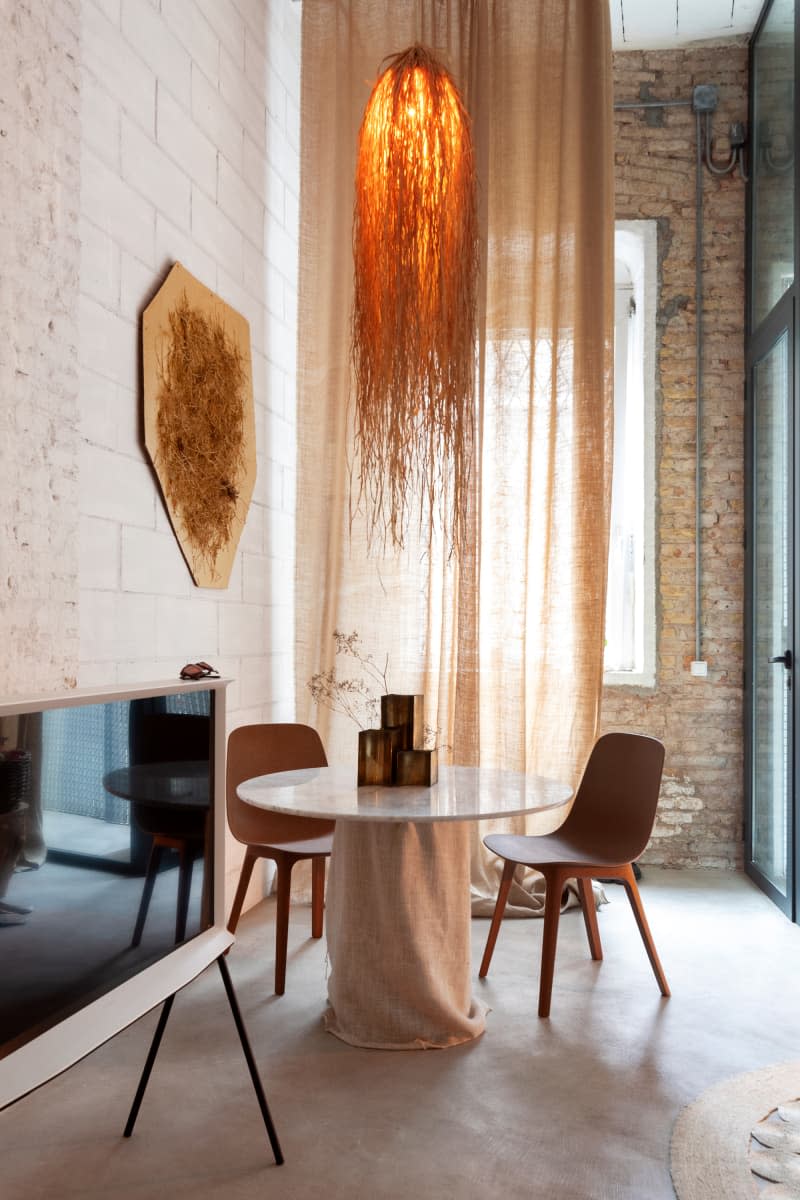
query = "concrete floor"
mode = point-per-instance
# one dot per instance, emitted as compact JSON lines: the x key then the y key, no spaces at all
{"x":579,"y":1107}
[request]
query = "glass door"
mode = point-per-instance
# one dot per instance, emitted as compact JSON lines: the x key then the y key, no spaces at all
{"x":772,"y":642}
{"x":773,"y":460}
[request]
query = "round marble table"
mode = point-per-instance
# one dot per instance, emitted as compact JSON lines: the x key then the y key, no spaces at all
{"x":398,"y":903}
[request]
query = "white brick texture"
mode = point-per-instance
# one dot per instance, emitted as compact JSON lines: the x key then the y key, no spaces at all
{"x":39,"y":235}
{"x":122,"y":142}
{"x":169,"y":109}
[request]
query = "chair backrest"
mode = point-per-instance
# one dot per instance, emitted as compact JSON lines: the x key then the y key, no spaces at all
{"x":615,"y":805}
{"x":263,"y":750}
{"x":165,"y":737}
{"x":169,"y":737}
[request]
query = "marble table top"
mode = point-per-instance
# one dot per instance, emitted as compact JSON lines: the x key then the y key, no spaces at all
{"x":461,"y":794}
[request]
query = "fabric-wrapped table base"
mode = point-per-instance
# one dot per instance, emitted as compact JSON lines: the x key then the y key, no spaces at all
{"x":398,"y":923}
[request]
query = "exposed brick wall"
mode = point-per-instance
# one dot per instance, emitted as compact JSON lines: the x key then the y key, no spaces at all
{"x":700,"y":720}
{"x":39,"y":267}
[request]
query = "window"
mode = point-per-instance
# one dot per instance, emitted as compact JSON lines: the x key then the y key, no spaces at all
{"x":630,"y":598}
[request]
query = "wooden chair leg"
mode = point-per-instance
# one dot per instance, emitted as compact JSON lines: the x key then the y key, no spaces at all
{"x":497,"y":916}
{"x":317,"y":895}
{"x":629,"y":880}
{"x":554,"y":880}
{"x":184,"y":890}
{"x":590,"y":918}
{"x":284,"y":889}
{"x":147,"y":891}
{"x":241,"y":890}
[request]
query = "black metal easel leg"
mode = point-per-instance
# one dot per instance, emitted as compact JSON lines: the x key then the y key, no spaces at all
{"x":148,"y":1066}
{"x":251,"y":1062}
{"x":248,"y":1054}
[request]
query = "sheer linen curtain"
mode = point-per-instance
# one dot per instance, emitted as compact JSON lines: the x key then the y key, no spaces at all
{"x":506,"y":643}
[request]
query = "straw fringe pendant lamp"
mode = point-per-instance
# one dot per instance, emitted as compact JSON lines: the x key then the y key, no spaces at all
{"x":415,"y":249}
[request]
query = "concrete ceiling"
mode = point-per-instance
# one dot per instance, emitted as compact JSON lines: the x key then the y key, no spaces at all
{"x":666,"y":24}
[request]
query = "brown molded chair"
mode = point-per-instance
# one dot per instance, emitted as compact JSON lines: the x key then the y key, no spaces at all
{"x":608,"y":827}
{"x":262,"y":750}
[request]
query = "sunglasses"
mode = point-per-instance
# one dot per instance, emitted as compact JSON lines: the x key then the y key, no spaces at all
{"x":199,"y":670}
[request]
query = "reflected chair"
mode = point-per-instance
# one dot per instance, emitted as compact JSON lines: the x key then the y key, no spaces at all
{"x":169,"y":737}
{"x":608,"y":827}
{"x":262,"y":750}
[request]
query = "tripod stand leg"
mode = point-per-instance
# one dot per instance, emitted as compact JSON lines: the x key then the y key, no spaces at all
{"x":248,"y":1054}
{"x":251,"y":1062}
{"x":148,"y":1066}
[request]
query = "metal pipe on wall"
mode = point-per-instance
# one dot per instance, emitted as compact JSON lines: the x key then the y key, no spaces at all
{"x":698,"y":447}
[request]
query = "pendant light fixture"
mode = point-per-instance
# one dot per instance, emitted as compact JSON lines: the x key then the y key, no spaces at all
{"x":415,"y":250}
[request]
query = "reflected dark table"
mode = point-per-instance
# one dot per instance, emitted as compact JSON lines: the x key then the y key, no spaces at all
{"x":175,"y":784}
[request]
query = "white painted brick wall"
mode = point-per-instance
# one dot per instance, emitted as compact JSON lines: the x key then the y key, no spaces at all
{"x":242,"y":203}
{"x":189,"y":154}
{"x":216,"y":233}
{"x":100,"y":554}
{"x":211,"y":114}
{"x":174,"y":93}
{"x":122,"y":75}
{"x":185,"y":143}
{"x":116,"y":487}
{"x":162,"y":51}
{"x":146,"y":169}
{"x":184,"y":629}
{"x":108,"y":342}
{"x":184,"y":19}
{"x":174,"y":244}
{"x":39,"y":268}
{"x":227,"y":23}
{"x":114,"y":207}
{"x":149,"y":133}
{"x":149,"y":554}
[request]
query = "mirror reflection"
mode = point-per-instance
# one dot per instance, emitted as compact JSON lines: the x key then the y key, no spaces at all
{"x":773,"y":159}
{"x":106,"y":845}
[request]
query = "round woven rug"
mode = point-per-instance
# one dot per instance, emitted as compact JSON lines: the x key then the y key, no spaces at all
{"x":714,"y":1155}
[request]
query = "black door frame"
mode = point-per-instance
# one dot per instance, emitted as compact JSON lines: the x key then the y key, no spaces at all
{"x":758,"y":342}
{"x":780,"y":321}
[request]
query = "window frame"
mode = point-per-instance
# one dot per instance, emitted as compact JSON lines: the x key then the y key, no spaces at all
{"x":636,"y":245}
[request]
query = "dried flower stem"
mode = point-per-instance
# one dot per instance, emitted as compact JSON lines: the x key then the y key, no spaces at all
{"x":354,"y":698}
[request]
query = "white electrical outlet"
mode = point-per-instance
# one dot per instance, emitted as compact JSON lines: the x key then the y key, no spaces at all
{"x":698,"y":668}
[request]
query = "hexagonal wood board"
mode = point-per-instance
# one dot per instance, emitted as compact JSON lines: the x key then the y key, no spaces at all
{"x":199,"y":423}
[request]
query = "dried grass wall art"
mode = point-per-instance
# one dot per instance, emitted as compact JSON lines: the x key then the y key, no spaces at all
{"x":415,"y":248}
{"x":199,"y":422}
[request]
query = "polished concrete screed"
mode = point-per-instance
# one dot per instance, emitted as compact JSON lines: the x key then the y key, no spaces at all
{"x":577,"y":1107}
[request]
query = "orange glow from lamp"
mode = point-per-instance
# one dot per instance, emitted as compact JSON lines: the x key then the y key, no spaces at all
{"x":415,"y":249}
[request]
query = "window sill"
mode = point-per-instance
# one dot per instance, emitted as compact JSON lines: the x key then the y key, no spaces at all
{"x":633,"y":679}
